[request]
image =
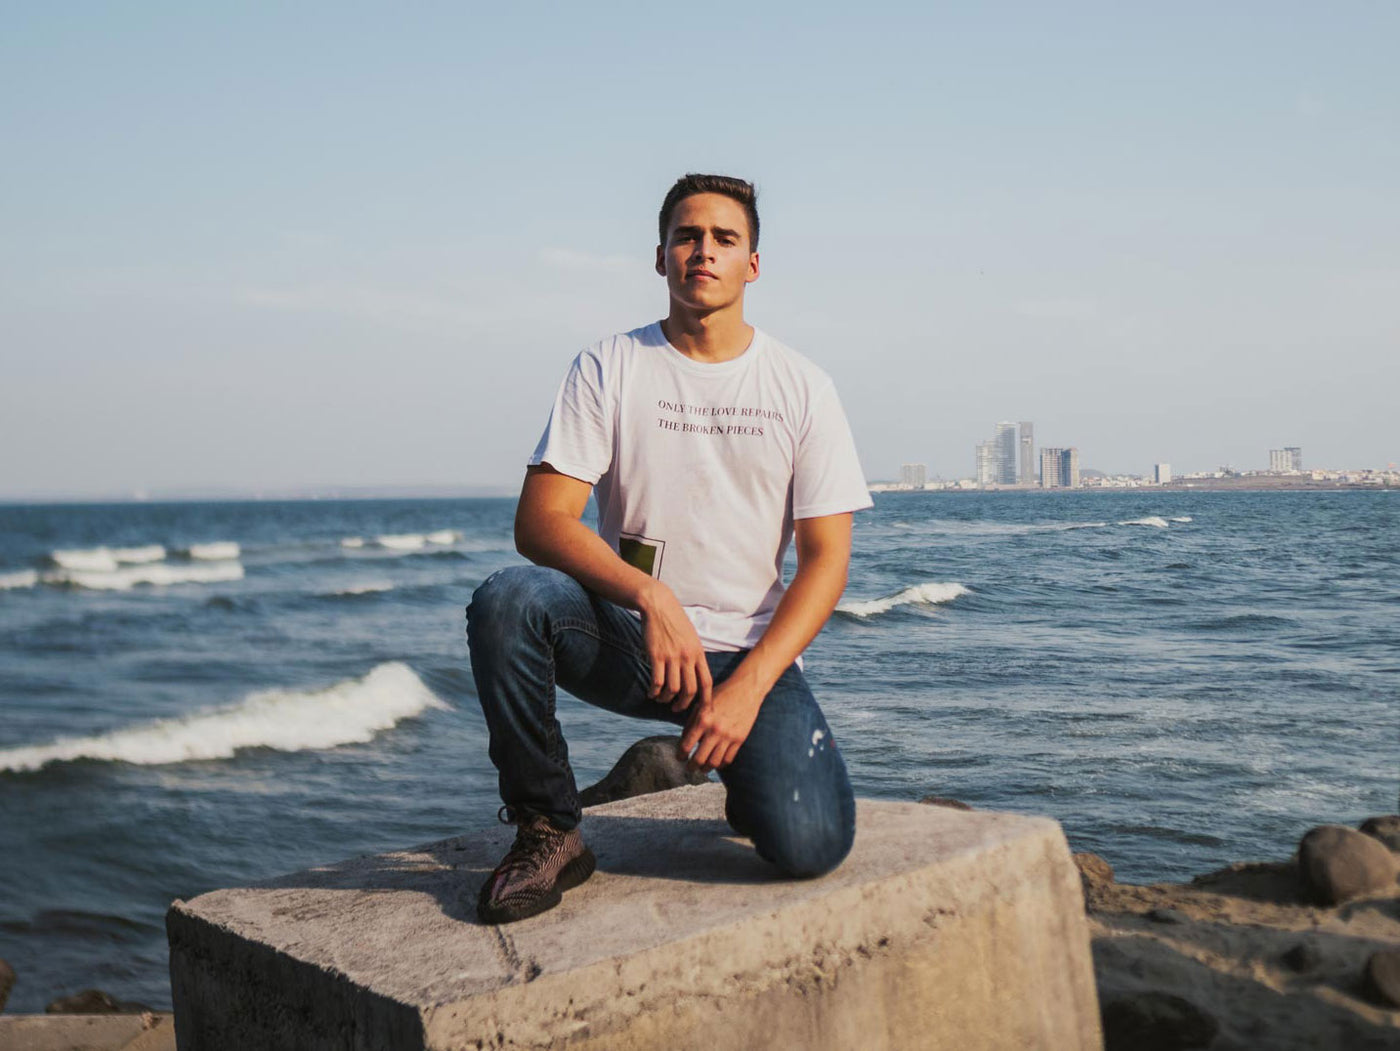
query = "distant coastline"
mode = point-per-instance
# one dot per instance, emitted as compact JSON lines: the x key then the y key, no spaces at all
{"x":1235,"y":484}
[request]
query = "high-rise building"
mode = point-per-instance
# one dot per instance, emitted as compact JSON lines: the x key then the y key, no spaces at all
{"x":1289,"y":458}
{"x":986,"y":464}
{"x":1295,"y":457}
{"x":1059,"y":468}
{"x":1162,"y":473}
{"x":913,"y":475}
{"x":1006,"y":453}
{"x":1028,"y":464}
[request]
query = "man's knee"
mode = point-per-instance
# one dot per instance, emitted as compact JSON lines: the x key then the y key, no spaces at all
{"x":808,"y":844}
{"x":509,"y":600}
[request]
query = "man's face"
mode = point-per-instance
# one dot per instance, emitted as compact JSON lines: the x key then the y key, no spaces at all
{"x":706,"y":259}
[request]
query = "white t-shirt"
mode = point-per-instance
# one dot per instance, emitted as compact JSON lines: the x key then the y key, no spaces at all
{"x":700,"y":468}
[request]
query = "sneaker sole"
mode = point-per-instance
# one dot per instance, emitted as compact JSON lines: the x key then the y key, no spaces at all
{"x":571,"y":875}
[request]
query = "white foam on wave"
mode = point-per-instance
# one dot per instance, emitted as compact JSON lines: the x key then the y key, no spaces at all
{"x":93,"y":559}
{"x":932,"y":594}
{"x":137,"y":555}
{"x":444,"y":536}
{"x":365,"y":589}
{"x":402,"y":541}
{"x":353,"y":541}
{"x":25,"y":578}
{"x":1181,"y":518}
{"x":1151,"y":520}
{"x":349,"y":712}
{"x":215,"y":551}
{"x":157,"y":574}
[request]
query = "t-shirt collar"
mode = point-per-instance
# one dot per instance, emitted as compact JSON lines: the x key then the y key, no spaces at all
{"x":709,"y":368}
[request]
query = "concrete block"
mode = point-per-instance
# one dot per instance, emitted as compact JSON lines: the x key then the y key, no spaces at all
{"x":943,"y":929}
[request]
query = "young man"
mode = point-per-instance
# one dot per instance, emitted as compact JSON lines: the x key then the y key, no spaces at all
{"x":709,"y":446}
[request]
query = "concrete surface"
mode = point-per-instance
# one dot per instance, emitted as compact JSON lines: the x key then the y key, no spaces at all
{"x":106,"y":1032}
{"x":943,"y":929}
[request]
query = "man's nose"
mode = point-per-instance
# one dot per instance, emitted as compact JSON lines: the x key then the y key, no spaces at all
{"x":704,"y":247}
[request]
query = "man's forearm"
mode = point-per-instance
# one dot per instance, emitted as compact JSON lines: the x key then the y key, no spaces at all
{"x":562,"y":542}
{"x":803,"y":610}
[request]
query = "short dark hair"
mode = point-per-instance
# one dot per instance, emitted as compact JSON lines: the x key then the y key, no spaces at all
{"x":691,"y":184}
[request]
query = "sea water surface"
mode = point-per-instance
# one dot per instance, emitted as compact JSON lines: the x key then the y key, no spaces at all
{"x":199,"y":695}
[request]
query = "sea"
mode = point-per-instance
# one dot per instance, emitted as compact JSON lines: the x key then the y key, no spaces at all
{"x":198,"y":695}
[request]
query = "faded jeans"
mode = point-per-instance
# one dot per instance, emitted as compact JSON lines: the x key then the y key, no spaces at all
{"x":530,"y":628}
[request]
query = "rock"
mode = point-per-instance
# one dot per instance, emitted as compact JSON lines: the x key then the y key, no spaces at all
{"x":1383,"y":976}
{"x":650,"y":765}
{"x":94,"y":1002}
{"x":1302,"y":958}
{"x":952,"y":804}
{"x":1385,"y":828}
{"x":87,"y":1002}
{"x":1271,"y":882}
{"x":1153,"y":1021}
{"x":1337,"y":864}
{"x":1093,"y":869}
{"x":1095,"y":879}
{"x":1167,"y":916}
{"x":7,"y":982}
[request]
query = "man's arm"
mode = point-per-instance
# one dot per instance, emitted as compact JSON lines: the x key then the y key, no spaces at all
{"x":548,"y":532}
{"x":719,"y":727}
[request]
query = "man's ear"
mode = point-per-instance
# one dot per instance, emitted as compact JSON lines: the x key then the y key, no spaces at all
{"x":661,"y":260}
{"x":753,"y":268}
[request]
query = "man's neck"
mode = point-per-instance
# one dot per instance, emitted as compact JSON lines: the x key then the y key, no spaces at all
{"x":721,"y":336}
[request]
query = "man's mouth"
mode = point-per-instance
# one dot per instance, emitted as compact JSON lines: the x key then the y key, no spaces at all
{"x":701,"y":273}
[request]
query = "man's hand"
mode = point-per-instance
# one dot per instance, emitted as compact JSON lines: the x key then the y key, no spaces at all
{"x":719,"y":726}
{"x":679,"y":672}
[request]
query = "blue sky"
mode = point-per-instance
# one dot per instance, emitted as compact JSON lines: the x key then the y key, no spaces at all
{"x":357,"y":245}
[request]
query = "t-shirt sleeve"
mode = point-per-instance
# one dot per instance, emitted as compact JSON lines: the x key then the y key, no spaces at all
{"x":578,"y":440}
{"x":827,"y":479}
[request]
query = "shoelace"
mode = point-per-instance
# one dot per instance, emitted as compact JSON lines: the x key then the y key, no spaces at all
{"x":522,"y":855}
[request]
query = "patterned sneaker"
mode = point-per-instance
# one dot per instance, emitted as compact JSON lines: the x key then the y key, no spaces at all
{"x":542,"y":863}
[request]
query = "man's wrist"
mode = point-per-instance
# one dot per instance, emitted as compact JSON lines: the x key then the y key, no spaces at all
{"x":649,"y":596}
{"x":751,"y":676}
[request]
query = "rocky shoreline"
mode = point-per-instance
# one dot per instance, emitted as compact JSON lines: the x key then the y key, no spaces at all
{"x":1299,"y":954}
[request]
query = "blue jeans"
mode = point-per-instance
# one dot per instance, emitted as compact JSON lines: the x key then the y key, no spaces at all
{"x":530,"y":628}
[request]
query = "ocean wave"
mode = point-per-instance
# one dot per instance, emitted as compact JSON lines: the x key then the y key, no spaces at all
{"x":97,"y":559}
{"x":1243,"y":621}
{"x":363,"y":589}
{"x":349,"y":712}
{"x":402,"y":541}
{"x":418,"y":541}
{"x":957,"y":528}
{"x":353,"y":541}
{"x":25,"y":578}
{"x":133,"y":555}
{"x":157,"y":574}
{"x":931,"y":594}
{"x":215,"y":551}
{"x":1181,"y":518}
{"x":1157,"y":521}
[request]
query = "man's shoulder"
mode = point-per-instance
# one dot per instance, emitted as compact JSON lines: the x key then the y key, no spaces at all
{"x":623,"y":344}
{"x":799,"y":369}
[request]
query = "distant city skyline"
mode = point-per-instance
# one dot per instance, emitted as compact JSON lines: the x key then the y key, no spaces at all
{"x":994,"y":466}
